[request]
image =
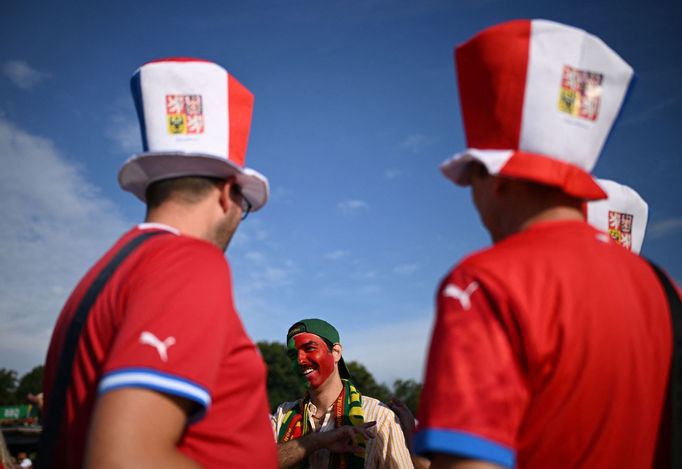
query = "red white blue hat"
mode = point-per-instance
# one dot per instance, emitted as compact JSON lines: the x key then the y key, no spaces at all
{"x":538,"y":100}
{"x":623,"y":215}
{"x":195,"y":120}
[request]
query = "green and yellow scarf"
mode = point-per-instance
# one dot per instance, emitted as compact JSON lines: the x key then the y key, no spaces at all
{"x":347,"y":411}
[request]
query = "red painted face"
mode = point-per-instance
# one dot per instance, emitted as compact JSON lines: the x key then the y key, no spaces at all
{"x":314,"y":359}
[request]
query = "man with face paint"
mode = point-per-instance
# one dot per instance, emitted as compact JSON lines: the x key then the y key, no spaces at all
{"x":333,"y":425}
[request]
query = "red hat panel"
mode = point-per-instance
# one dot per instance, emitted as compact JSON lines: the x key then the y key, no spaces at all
{"x":538,"y":90}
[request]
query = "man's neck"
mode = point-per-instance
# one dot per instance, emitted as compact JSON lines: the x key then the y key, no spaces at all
{"x":553,"y":214}
{"x":325,"y":394}
{"x":190,"y":221}
{"x":517,"y":222}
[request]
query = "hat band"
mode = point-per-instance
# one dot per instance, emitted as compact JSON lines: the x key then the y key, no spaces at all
{"x":542,"y":169}
{"x":571,"y":179}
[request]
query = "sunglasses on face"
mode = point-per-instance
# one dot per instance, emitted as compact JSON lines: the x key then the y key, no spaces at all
{"x":244,"y":203}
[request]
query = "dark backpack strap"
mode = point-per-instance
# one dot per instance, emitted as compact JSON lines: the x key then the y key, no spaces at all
{"x":57,"y":398}
{"x":675,"y":389}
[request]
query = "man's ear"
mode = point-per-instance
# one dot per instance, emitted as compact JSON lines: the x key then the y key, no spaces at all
{"x":224,"y":198}
{"x":336,"y":351}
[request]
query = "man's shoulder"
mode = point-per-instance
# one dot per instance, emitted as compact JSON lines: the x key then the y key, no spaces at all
{"x":374,"y":409}
{"x":177,"y":251}
{"x":287,"y":406}
{"x":538,"y":248}
{"x":372,"y":402}
{"x":283,"y":408}
{"x":280,"y":414}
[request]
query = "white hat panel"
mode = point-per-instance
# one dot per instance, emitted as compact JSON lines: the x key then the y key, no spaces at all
{"x":623,"y":215}
{"x":574,"y":88}
{"x":206,"y":80}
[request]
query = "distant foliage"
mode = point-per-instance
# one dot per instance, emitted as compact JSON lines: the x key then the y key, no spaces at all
{"x":31,"y":382}
{"x":284,"y":385}
{"x":8,"y":386}
{"x":408,"y":391}
{"x":366,"y":383}
{"x":13,"y":391}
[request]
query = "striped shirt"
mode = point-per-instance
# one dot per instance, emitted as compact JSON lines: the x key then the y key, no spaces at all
{"x":386,"y":450}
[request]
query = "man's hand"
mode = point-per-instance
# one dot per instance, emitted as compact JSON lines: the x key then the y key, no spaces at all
{"x":36,"y":399}
{"x":343,"y":439}
{"x":406,"y":419}
{"x":339,"y":440}
{"x":408,"y":425}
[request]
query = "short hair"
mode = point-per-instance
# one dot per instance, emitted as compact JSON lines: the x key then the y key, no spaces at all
{"x":186,"y":189}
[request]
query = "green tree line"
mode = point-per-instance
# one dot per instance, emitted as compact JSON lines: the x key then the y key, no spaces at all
{"x":283,"y":384}
{"x":13,"y":390}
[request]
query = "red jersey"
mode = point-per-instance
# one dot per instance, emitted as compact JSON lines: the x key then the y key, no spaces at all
{"x":166,"y":321}
{"x":552,"y":349}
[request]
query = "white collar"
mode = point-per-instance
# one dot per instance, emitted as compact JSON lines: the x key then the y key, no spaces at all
{"x":158,"y":226}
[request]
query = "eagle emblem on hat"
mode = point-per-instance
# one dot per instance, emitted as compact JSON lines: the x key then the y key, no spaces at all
{"x":620,"y":228}
{"x":580,"y":93}
{"x":184,"y":114}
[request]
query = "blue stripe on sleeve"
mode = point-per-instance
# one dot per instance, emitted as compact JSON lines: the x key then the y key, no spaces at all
{"x":463,"y":444}
{"x":147,"y":378}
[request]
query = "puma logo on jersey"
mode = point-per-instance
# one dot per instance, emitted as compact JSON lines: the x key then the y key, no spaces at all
{"x":463,"y":296}
{"x":148,"y":338}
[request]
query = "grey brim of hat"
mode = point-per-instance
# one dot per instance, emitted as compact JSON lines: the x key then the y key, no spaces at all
{"x":456,"y":168}
{"x":143,"y":169}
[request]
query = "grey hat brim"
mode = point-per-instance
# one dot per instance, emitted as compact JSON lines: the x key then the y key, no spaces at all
{"x":145,"y":168}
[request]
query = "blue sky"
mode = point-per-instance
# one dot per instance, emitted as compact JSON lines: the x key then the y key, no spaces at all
{"x":356,"y":106}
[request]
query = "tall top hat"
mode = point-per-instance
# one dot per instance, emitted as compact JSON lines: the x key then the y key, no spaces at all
{"x":538,"y":100}
{"x":195,"y":120}
{"x":623,"y":215}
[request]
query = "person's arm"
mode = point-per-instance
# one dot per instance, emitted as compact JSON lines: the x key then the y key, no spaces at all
{"x":339,"y":440}
{"x":135,"y":427}
{"x":408,"y":425}
{"x":448,"y":461}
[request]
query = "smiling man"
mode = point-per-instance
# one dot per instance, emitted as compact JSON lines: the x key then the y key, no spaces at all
{"x":333,"y":425}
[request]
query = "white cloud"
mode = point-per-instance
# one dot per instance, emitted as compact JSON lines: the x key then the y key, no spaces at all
{"x":396,"y":350}
{"x":54,"y":224}
{"x":123,"y":128}
{"x":405,"y":269}
{"x":336,"y":255}
{"x":663,"y":228}
{"x":249,"y":231}
{"x":22,"y":74}
{"x":282,"y":195}
{"x":255,"y":256}
{"x":653,"y":111}
{"x":416,"y":143}
{"x":392,"y":173}
{"x":352,"y":206}
{"x":125,"y":133}
{"x":368,"y":275}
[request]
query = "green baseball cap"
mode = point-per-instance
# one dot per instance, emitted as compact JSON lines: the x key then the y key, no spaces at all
{"x":324,"y":330}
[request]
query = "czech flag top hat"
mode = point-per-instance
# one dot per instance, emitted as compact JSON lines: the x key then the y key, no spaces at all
{"x":623,"y":215}
{"x":195,"y":120}
{"x":538,"y":100}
